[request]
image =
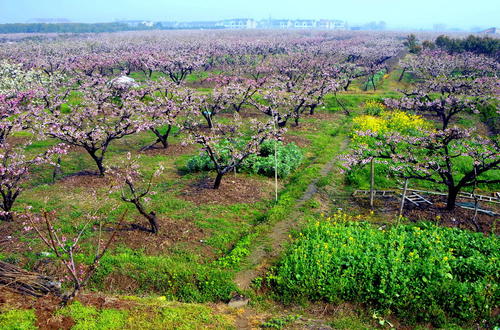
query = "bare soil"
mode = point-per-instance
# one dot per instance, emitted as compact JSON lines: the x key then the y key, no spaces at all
{"x":85,"y":179}
{"x":298,"y":140}
{"x":172,"y":150}
{"x":233,"y":189}
{"x":138,"y":236}
{"x":437,"y":213}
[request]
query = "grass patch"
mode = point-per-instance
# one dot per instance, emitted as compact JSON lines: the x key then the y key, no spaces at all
{"x":18,"y":319}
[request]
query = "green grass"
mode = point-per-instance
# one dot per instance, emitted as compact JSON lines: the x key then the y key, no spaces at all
{"x":17,"y":319}
{"x":146,"y":313}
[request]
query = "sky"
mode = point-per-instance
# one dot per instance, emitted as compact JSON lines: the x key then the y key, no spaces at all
{"x":396,"y":13}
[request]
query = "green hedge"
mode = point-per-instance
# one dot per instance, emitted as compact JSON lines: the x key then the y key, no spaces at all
{"x":423,"y":273}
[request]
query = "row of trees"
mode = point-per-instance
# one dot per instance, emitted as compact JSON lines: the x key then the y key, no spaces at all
{"x":91,"y":111}
{"x":70,"y":27}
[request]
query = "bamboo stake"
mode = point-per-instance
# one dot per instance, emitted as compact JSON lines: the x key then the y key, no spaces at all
{"x":372,"y":182}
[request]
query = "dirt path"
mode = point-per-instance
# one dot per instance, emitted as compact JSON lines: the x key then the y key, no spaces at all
{"x":276,"y":239}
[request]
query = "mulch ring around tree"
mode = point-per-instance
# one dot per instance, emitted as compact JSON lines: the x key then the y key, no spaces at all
{"x":172,"y":150}
{"x":298,"y":140}
{"x":137,"y":235}
{"x":459,"y":217}
{"x":87,"y":179}
{"x":247,"y":112}
{"x":233,"y":190}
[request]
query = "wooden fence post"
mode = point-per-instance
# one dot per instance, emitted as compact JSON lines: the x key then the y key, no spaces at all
{"x":403,"y":200}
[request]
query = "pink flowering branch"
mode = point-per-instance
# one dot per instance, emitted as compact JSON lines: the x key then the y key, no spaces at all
{"x":136,"y":188}
{"x":65,"y":249}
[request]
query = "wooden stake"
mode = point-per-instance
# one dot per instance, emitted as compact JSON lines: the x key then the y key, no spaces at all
{"x":403,"y":200}
{"x":372,"y":181}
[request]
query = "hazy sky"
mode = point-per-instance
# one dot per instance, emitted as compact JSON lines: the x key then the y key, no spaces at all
{"x":397,"y":13}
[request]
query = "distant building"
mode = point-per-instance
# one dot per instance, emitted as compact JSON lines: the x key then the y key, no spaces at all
{"x":245,"y":24}
{"x":304,"y":24}
{"x":238,"y":23}
{"x":277,"y":24}
{"x":327,"y":24}
{"x":137,"y":23}
{"x":199,"y":25}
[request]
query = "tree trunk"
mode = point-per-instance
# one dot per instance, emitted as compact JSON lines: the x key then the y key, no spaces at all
{"x":311,"y":111}
{"x":100,"y":166}
{"x":98,"y":160}
{"x":151,"y":216}
{"x":218,"y":180}
{"x":296,"y":119}
{"x":402,"y":74}
{"x":68,"y":298}
{"x":373,"y":82}
{"x":57,"y":169}
{"x":346,"y":87}
{"x":452,"y":199}
{"x":7,"y":217}
{"x":208,"y":118}
{"x":162,"y":138}
{"x":153,"y":222}
{"x":8,"y":202}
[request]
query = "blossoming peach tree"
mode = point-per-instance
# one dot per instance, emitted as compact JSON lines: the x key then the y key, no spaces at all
{"x":456,"y":158}
{"x":136,"y":187}
{"x":228,"y":145}
{"x":15,"y":168}
{"x":98,"y":117}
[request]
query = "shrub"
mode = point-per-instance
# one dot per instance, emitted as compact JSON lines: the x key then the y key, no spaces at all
{"x":263,"y":163}
{"x":421,"y":272}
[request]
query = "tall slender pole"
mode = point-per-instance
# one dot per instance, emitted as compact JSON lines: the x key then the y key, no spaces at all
{"x":372,"y":181}
{"x":403,"y":200}
{"x":275,"y":165}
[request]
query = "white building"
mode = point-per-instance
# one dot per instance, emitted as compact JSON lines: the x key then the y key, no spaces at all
{"x":277,"y":24}
{"x":304,"y":24}
{"x":328,"y":24}
{"x":238,"y":23}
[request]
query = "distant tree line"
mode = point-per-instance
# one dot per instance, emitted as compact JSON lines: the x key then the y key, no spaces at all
{"x":479,"y":45}
{"x":474,"y":44}
{"x":70,"y":27}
